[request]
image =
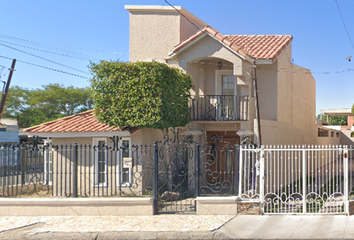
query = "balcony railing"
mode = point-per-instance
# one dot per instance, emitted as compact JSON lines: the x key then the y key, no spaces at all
{"x":219,"y":107}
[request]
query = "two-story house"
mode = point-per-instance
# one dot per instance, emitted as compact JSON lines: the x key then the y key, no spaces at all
{"x":224,"y":69}
{"x":224,"y":101}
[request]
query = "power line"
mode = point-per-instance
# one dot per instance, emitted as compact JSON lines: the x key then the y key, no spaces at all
{"x":48,"y":68}
{"x":43,"y":43}
{"x":63,"y":65}
{"x":183,"y":15}
{"x":345,"y":27}
{"x":42,"y":50}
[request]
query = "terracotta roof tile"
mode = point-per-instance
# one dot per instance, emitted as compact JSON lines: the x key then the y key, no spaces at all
{"x":254,"y":46}
{"x":81,"y":122}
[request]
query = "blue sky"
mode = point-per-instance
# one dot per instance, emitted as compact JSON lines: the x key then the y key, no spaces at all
{"x":82,"y":30}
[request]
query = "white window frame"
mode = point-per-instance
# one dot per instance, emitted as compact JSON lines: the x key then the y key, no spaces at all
{"x":218,"y":90}
{"x":120,"y":164}
{"x":95,"y":173}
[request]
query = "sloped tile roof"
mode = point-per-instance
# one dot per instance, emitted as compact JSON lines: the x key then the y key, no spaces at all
{"x":254,"y":46}
{"x":81,"y":122}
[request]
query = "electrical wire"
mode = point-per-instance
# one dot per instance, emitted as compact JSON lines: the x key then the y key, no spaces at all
{"x":48,"y":68}
{"x":63,"y":65}
{"x":42,"y":50}
{"x":183,"y":15}
{"x":345,"y":27}
{"x":28,"y":42}
{"x":43,"y":43}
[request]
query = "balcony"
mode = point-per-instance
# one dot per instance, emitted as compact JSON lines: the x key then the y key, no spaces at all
{"x":219,"y":108}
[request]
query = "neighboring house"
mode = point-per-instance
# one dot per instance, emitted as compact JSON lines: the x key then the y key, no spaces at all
{"x":98,"y":164}
{"x":223,"y":96}
{"x":345,"y":132}
{"x":9,"y":131}
{"x":84,"y":128}
{"x":9,"y":136}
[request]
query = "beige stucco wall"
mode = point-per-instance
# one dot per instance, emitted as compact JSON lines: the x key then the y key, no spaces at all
{"x":297,"y":99}
{"x":209,"y":47}
{"x":290,"y":101}
{"x":345,"y":138}
{"x":147,"y":136}
{"x":155,"y":31}
{"x":267,"y":82}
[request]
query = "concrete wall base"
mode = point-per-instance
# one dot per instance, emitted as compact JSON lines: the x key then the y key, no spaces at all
{"x":248,"y":208}
{"x":77,"y":207}
{"x":216,"y":205}
{"x":351,"y":207}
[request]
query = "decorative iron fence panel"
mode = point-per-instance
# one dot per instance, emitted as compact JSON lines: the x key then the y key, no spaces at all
{"x":76,"y":171}
{"x":249,"y":186}
{"x":177,"y":186}
{"x":284,"y":179}
{"x":297,"y":179}
{"x":219,"y":107}
{"x":219,"y":166}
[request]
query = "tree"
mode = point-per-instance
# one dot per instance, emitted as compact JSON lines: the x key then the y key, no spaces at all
{"x":35,"y":106}
{"x":336,"y":120}
{"x":140,"y":94}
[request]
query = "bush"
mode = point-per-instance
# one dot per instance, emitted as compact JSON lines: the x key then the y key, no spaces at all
{"x":140,"y":94}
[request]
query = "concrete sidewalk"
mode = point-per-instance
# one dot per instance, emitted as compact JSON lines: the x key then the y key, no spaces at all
{"x":178,"y":226}
{"x":289,"y":227}
{"x":168,"y":226}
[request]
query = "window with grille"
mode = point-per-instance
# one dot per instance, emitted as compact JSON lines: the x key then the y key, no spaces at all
{"x":100,"y":161}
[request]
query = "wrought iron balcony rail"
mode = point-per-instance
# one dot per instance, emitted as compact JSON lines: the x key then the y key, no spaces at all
{"x":219,"y":107}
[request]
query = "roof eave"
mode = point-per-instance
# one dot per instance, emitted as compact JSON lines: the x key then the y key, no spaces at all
{"x":264,"y":61}
{"x":172,"y":54}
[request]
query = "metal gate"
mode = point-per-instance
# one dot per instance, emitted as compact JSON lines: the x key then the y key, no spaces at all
{"x":176,"y":174}
{"x":297,"y":179}
{"x":186,"y":170}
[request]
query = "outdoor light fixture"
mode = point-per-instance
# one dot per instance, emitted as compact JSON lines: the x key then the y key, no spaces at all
{"x":220,"y":65}
{"x":245,"y":135}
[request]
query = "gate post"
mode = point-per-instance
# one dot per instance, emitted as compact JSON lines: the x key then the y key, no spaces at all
{"x":261,"y":181}
{"x":237,"y":170}
{"x":75,"y":169}
{"x":345,"y":169}
{"x":240,"y":174}
{"x":304,"y":180}
{"x":197,"y":155}
{"x":155,"y":177}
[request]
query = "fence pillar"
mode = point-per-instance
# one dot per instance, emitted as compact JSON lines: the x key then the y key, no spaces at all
{"x":197,"y":155}
{"x":237,"y":169}
{"x":261,"y":180}
{"x":75,"y":169}
{"x":346,"y":171}
{"x":155,"y":177}
{"x":23,"y":157}
{"x":304,"y":180}
{"x":240,"y":173}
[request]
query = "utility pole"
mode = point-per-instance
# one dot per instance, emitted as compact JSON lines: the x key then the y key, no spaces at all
{"x":4,"y":96}
{"x":257,"y":103}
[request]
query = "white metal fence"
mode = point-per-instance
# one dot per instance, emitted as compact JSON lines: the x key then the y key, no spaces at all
{"x":297,"y":179}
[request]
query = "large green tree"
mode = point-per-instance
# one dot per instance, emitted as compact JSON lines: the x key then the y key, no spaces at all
{"x":34,"y":106}
{"x":338,"y":120}
{"x":140,"y":94}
